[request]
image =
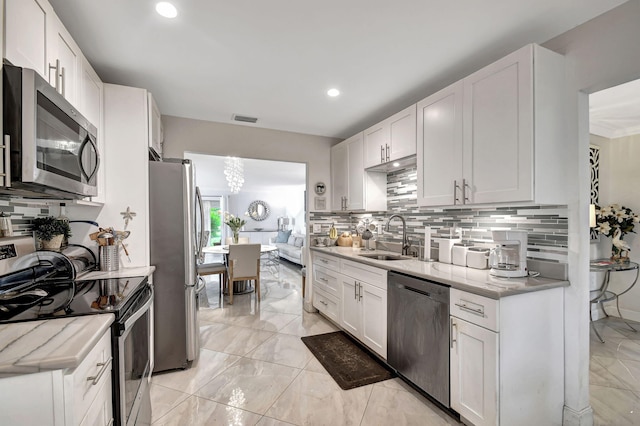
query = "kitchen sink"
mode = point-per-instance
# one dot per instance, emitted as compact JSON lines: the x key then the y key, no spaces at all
{"x":377,"y":256}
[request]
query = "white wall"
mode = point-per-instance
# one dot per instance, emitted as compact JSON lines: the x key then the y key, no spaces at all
{"x":623,"y":187}
{"x":600,"y":53}
{"x":206,"y":137}
{"x":282,"y":202}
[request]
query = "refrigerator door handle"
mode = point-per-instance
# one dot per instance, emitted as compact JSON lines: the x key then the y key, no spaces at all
{"x":201,"y":244}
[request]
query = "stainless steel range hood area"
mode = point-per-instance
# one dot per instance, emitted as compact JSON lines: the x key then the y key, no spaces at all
{"x":392,"y":166}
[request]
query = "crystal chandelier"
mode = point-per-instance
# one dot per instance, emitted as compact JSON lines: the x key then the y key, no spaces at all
{"x":234,"y":172}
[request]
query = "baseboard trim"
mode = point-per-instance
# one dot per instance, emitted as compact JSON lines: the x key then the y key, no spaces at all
{"x":571,"y":417}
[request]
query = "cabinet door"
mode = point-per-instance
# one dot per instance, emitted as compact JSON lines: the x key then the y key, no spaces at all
{"x":440,"y":147}
{"x":355,"y":173}
{"x":101,"y":410}
{"x":474,"y":372}
{"x":351,"y":315}
{"x":26,"y":34}
{"x":61,"y":47}
{"x":376,"y":141}
{"x":402,"y":133}
{"x":339,"y":177}
{"x":498,"y":130}
{"x":374,"y":318}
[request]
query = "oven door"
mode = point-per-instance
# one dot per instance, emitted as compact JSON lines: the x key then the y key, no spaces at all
{"x":134,"y":345}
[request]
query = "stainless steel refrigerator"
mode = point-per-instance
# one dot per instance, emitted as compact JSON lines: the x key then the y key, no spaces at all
{"x":175,"y":217}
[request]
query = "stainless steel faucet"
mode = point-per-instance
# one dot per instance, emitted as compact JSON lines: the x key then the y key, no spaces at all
{"x":405,"y":240}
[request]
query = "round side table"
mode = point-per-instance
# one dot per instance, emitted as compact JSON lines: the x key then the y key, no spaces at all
{"x":603,"y":294}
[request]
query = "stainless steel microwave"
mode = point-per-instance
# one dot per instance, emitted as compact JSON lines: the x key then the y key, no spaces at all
{"x":49,"y":149}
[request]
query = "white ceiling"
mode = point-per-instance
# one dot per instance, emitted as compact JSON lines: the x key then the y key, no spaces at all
{"x":275,"y":59}
{"x":615,"y":112}
{"x":259,"y":175}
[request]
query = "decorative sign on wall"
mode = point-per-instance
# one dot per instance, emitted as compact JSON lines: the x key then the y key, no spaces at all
{"x":594,"y":162}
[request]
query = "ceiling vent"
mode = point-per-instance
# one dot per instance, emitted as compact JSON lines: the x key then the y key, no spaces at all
{"x":244,"y":118}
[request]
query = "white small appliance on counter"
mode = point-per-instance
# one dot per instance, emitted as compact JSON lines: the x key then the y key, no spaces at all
{"x":509,"y":257}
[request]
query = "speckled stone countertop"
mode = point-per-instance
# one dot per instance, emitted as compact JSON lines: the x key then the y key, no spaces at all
{"x":477,"y":281}
{"x":34,"y":346}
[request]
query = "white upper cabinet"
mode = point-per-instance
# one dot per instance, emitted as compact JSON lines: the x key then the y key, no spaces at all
{"x":440,"y":147}
{"x":496,"y":136}
{"x":352,"y":188}
{"x":391,"y":139}
{"x":35,"y":38}
{"x":26,"y":34}
{"x":64,"y":57}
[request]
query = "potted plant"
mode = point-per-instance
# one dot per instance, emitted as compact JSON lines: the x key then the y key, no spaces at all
{"x":51,"y":231}
{"x":235,"y":223}
{"x":616,"y":221}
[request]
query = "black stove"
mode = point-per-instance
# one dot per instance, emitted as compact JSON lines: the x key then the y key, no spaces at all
{"x":54,"y":298}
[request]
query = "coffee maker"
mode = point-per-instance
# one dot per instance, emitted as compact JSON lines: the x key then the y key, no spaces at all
{"x":509,"y":257}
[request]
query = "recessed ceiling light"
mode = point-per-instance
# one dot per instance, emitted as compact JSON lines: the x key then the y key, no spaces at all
{"x":396,"y":164}
{"x":333,"y":92}
{"x":166,"y":9}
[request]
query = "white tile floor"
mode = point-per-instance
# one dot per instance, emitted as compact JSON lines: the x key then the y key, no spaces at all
{"x":255,"y":370}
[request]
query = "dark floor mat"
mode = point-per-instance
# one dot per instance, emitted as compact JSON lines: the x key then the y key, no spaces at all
{"x":349,"y":364}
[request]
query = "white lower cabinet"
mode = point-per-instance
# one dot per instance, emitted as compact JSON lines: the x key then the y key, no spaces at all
{"x":364,"y":304}
{"x":358,"y":292}
{"x":79,"y":396}
{"x":507,"y":358}
{"x":474,"y":358}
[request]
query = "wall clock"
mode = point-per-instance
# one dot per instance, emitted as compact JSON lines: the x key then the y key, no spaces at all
{"x":320,"y":188}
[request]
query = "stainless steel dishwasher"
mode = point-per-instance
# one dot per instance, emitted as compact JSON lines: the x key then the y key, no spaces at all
{"x":418,"y":333}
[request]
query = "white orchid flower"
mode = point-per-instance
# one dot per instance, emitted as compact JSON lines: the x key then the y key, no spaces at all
{"x":621,"y":215}
{"x":604,"y":228}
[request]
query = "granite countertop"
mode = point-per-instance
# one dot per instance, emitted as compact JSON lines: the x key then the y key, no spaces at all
{"x":140,"y":271}
{"x":477,"y":281}
{"x":35,"y":346}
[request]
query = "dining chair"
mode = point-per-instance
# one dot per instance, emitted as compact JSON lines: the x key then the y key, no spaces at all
{"x":244,"y":265}
{"x":212,"y":268}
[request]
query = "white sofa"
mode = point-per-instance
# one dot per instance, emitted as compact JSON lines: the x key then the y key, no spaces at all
{"x":292,"y":248}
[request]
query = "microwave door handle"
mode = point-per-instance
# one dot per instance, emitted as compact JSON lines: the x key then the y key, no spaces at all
{"x":87,"y":140}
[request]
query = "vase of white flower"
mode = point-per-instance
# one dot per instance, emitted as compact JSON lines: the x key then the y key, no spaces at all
{"x":616,"y":221}
{"x":234,"y":223}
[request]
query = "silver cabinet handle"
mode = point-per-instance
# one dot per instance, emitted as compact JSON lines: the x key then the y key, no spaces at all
{"x":323,"y":279}
{"x":456,"y":200}
{"x":105,"y":366}
{"x":465,"y":197}
{"x":323,"y":260}
{"x":464,"y":307}
{"x":387,"y":150}
{"x":323,"y":302}
{"x":355,"y":290}
{"x":63,"y":85}
{"x":451,"y":338}
{"x":56,"y":84}
{"x":359,"y":291}
{"x":6,"y":173}
{"x":381,"y":154}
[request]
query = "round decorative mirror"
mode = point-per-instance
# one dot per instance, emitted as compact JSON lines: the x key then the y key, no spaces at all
{"x":258,"y":210}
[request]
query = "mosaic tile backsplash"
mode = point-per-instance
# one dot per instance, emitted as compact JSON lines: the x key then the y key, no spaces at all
{"x":22,"y":215}
{"x":547,"y":225}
